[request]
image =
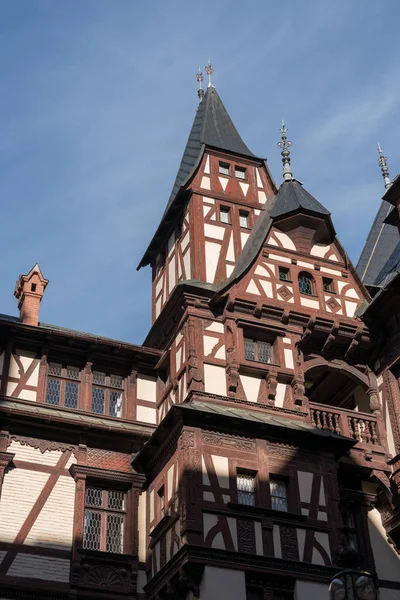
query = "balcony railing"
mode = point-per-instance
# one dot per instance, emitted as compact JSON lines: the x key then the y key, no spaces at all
{"x":359,"y":426}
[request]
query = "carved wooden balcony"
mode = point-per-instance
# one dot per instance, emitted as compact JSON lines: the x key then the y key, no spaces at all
{"x":364,"y":428}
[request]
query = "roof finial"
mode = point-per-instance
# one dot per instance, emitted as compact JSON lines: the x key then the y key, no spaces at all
{"x":384,"y":168}
{"x":285,"y":144}
{"x":200,"y":91}
{"x":209,"y":71}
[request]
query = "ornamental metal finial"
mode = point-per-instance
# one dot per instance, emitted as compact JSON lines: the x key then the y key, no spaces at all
{"x":209,"y":71}
{"x":384,"y":168}
{"x":285,"y":144}
{"x":200,"y":91}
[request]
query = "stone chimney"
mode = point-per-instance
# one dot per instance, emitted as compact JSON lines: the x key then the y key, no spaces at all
{"x":29,"y":291}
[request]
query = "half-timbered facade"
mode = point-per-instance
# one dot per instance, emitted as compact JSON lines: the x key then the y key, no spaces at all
{"x":252,"y":436}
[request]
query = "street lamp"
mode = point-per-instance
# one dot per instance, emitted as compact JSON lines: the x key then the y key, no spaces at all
{"x":351,"y":583}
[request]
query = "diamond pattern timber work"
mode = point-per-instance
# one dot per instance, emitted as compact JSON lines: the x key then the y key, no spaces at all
{"x":107,"y":459}
{"x":285,"y":293}
{"x":333,"y":304}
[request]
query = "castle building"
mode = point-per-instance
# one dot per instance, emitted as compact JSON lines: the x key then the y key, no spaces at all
{"x":253,"y":435}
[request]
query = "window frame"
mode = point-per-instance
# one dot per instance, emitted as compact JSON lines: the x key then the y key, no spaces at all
{"x":63,"y":380}
{"x":246,"y":215}
{"x":330,"y":281}
{"x":104,"y":512}
{"x":226,"y":211}
{"x":249,"y":474}
{"x":312,"y":282}
{"x":107,"y":389}
{"x":285,"y":482}
{"x":256,"y":340}
{"x":240,"y":169}
{"x":224,"y":165}
{"x":284,"y":270}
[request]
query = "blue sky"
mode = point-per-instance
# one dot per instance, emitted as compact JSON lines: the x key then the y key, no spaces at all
{"x":97,"y":98}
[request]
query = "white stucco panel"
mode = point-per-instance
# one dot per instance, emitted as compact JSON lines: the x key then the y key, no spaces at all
{"x":251,"y":386}
{"x":146,"y":388}
{"x":215,"y":379}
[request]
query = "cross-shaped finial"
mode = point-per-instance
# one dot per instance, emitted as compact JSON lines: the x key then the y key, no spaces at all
{"x":200,"y":78}
{"x":209,"y":71}
{"x":384,"y":168}
{"x":285,"y":145}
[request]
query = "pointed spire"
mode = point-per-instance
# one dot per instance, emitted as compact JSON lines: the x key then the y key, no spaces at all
{"x":384,"y":168}
{"x":209,"y":71}
{"x":200,"y":91}
{"x":285,"y":144}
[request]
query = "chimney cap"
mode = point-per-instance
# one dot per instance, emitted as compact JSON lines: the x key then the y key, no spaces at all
{"x":20,"y":286}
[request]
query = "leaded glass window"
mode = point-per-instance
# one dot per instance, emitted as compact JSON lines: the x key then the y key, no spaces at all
{"x":246,"y":489}
{"x":257,"y":350}
{"x":104,"y":520}
{"x":278,"y":491}
{"x":327,"y":284}
{"x":306,"y":284}
{"x":63,"y":385}
{"x":98,"y":400}
{"x":107,"y":393}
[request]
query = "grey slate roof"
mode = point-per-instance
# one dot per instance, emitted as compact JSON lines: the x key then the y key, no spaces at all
{"x":391,"y":268}
{"x":381,"y":242}
{"x":212,"y":126}
{"x":292,"y":196}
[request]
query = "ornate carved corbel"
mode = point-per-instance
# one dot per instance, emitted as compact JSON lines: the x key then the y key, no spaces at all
{"x":195,"y":373}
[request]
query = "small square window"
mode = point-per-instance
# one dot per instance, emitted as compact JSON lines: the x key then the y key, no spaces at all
{"x":240,"y":172}
{"x":224,"y":214}
{"x":224,"y":168}
{"x":278,"y":489}
{"x":246,"y":488}
{"x":327,"y":284}
{"x":244,"y":219}
{"x":284,"y":274}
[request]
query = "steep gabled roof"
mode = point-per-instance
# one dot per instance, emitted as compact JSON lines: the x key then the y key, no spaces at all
{"x":213,"y":127}
{"x":292,"y":196}
{"x":381,"y":242}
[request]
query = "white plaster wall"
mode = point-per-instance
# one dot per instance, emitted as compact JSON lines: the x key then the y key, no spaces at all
{"x":387,"y":594}
{"x":212,"y":257}
{"x":214,"y":380}
{"x":218,"y":583}
{"x":387,"y":561}
{"x":21,"y":489}
{"x":54,"y":526}
{"x":221,"y":466}
{"x":146,"y":414}
{"x":308,"y":302}
{"x":285,"y":240}
{"x":308,"y":590}
{"x":251,"y":386}
{"x":319,"y":250}
{"x":146,"y":388}
{"x":40,"y":567}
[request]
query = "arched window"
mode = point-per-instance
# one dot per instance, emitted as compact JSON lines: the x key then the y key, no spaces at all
{"x":306,"y":284}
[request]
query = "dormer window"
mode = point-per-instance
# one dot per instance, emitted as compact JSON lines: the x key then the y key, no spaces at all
{"x":306,"y":284}
{"x":224,"y":168}
{"x":240,"y":173}
{"x":224,"y":214}
{"x":244,"y":219}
